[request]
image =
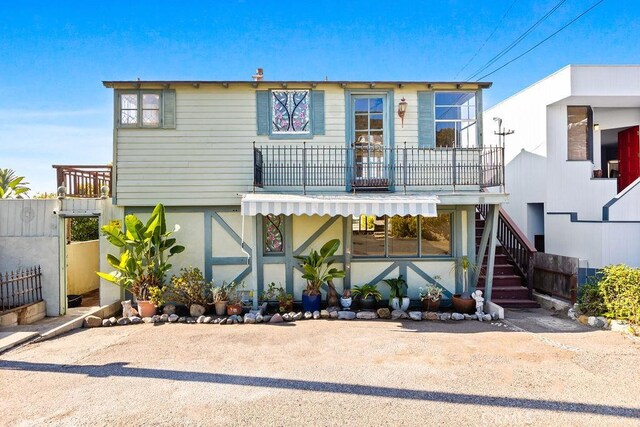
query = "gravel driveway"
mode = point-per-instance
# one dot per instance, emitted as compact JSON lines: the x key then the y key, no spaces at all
{"x":533,"y":369}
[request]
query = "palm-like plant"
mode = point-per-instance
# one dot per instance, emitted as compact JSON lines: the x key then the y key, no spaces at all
{"x":145,"y":250}
{"x":367,"y":290}
{"x":12,"y":186}
{"x":317,"y":267}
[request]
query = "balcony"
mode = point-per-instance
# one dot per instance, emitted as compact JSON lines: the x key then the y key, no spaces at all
{"x":305,"y":166}
{"x":87,"y":181}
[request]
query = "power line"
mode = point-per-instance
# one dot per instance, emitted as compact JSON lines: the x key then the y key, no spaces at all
{"x":517,"y":40}
{"x":544,"y":40}
{"x":486,"y":40}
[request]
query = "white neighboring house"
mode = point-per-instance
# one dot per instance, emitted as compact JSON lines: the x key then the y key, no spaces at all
{"x":572,"y":165}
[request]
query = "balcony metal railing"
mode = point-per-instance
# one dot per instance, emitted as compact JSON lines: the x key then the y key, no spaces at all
{"x":84,"y":181}
{"x":361,"y":168}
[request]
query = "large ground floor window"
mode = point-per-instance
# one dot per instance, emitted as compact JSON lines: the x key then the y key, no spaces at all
{"x":398,"y":236}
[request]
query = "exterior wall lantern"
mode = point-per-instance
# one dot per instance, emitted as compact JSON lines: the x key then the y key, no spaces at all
{"x":402,"y":109}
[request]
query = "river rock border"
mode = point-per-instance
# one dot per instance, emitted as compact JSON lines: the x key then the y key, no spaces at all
{"x":601,"y":322}
{"x":257,"y":316}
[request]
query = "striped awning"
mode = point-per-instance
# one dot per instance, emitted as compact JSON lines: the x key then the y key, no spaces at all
{"x":339,"y":205}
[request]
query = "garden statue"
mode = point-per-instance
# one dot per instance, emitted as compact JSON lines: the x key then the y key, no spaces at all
{"x":477,"y":296}
{"x":127,"y":310}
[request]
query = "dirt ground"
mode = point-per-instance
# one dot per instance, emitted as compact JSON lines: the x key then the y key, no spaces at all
{"x":533,"y":369}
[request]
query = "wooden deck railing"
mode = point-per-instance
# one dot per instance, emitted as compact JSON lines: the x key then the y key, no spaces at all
{"x":18,"y":289}
{"x":516,"y":245}
{"x":305,"y":165}
{"x":84,"y":181}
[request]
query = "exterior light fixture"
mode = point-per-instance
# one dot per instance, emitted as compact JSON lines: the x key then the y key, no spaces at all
{"x":402,"y":109}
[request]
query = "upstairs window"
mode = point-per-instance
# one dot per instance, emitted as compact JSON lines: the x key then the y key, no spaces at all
{"x":290,"y":112}
{"x":151,"y":109}
{"x":455,"y":119}
{"x":579,"y":133}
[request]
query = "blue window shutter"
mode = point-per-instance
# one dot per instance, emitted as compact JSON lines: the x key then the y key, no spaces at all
{"x":317,"y":104}
{"x":262,"y":112}
{"x":426,"y":120}
{"x":169,"y":109}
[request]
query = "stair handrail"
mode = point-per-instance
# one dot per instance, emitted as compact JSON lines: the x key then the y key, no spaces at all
{"x":516,"y":244}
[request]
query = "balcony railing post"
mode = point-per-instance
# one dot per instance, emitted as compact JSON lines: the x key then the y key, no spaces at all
{"x":454,"y":161}
{"x":255,"y":166}
{"x":304,"y":167}
{"x":404,"y":167}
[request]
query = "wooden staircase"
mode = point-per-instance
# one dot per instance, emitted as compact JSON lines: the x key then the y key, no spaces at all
{"x":509,"y":286}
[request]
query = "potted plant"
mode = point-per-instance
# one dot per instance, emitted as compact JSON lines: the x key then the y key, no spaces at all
{"x":143,"y":261}
{"x":318,"y":271}
{"x":463,"y":303}
{"x":285,"y":301}
{"x":234,"y":302}
{"x":189,"y":288}
{"x":270,"y":296}
{"x":431,"y":296}
{"x":397,"y":293}
{"x":346,"y":299}
{"x":220,"y":299}
{"x":368,"y":295}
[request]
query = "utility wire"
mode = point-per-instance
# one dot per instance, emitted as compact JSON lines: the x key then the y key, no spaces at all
{"x":517,"y":40}
{"x":486,"y":40}
{"x":544,"y":40}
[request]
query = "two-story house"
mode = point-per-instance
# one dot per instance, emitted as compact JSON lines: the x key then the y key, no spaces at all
{"x":573,"y":165}
{"x":257,"y":172}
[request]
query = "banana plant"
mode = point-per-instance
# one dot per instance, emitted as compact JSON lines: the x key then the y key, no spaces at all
{"x":12,"y":186}
{"x":317,"y":267}
{"x":144,"y":251}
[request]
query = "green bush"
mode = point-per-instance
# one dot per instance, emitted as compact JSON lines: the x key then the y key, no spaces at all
{"x":619,"y":286}
{"x":84,"y":229}
{"x":590,"y":301}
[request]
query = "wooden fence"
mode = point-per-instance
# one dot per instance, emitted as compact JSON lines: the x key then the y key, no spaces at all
{"x":19,"y":289}
{"x":556,"y":275}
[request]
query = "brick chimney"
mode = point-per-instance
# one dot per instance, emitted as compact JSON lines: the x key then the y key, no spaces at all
{"x":259,"y":75}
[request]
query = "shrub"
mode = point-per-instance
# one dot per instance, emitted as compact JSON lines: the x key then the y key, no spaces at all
{"x":590,"y":301}
{"x":189,"y":287}
{"x":620,"y":289}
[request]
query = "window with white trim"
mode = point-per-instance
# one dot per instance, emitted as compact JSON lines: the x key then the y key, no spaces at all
{"x":139,"y":109}
{"x":455,"y":119}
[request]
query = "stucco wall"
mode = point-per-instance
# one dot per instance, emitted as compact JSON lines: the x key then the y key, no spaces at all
{"x":83,"y":260}
{"x":29,"y":237}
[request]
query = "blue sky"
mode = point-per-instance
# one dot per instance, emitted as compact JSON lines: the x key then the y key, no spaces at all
{"x":54,"y":109}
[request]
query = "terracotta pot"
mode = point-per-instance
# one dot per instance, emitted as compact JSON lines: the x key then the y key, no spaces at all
{"x":431,"y":305}
{"x":221,"y":307}
{"x":234,"y":309}
{"x":463,"y":305}
{"x":146,"y":309}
